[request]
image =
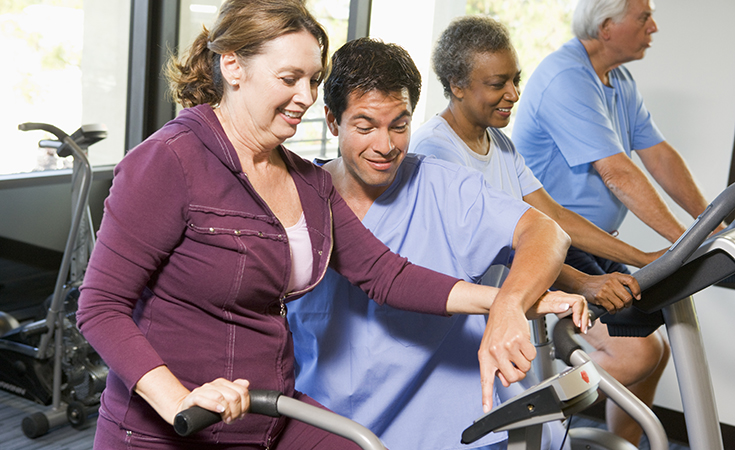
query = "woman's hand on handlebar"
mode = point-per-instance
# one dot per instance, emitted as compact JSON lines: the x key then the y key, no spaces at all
{"x":562,"y":304}
{"x":229,"y":398}
{"x":613,"y":291}
{"x":165,"y":393}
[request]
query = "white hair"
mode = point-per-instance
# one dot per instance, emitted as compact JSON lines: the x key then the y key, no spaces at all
{"x":590,"y":14}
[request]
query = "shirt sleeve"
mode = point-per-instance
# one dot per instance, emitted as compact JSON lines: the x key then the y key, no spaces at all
{"x":526,"y":179}
{"x":440,"y":145}
{"x":144,"y":219}
{"x":383,"y":275}
{"x":573,"y":111}
{"x":480,"y":222}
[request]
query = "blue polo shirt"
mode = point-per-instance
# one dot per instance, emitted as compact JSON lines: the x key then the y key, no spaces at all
{"x":567,"y":119}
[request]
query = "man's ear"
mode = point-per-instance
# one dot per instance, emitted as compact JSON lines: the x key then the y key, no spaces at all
{"x":604,"y":31}
{"x":331,"y":121}
{"x":232,"y":71}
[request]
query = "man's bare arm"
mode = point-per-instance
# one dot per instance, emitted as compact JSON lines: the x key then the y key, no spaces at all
{"x":587,"y":236}
{"x":633,"y":188}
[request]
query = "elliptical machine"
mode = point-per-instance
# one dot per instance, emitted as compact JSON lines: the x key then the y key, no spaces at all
{"x":48,"y":361}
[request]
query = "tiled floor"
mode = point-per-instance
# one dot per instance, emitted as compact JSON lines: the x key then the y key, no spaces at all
{"x":12,"y":411}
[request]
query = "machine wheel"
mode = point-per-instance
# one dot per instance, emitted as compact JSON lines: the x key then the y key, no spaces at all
{"x":7,"y":323}
{"x":76,"y":414}
{"x":35,"y":425}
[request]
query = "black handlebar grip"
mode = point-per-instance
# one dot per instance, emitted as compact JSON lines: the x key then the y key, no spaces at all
{"x":264,"y":402}
{"x":596,"y":311}
{"x":196,"y":418}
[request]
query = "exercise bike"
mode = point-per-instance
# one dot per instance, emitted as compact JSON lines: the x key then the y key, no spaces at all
{"x":691,"y":264}
{"x":48,"y":361}
{"x":275,"y":404}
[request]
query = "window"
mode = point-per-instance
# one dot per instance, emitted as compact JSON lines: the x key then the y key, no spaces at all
{"x":537,"y":27}
{"x":312,"y":137}
{"x":65,"y":64}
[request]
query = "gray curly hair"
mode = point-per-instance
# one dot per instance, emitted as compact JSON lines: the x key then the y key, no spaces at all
{"x":453,"y":56}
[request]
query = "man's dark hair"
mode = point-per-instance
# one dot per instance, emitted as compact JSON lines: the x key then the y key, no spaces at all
{"x":368,"y":64}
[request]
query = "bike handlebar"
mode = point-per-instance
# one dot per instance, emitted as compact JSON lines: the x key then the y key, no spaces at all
{"x":676,"y":256}
{"x":274,"y":404}
{"x":196,"y":418}
{"x":60,"y":135}
{"x":688,"y":242}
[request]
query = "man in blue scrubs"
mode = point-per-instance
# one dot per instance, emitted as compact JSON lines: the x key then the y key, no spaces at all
{"x":413,"y":379}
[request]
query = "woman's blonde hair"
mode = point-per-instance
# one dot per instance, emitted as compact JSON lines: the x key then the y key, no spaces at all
{"x":242,"y":27}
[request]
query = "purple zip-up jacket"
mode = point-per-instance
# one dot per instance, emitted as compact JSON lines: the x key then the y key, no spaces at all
{"x":190,"y":270}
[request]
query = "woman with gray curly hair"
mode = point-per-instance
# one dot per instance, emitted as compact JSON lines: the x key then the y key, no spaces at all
{"x":478,"y":67}
{"x":454,"y":55}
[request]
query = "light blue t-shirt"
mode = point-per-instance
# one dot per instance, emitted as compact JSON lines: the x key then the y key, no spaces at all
{"x":567,"y":119}
{"x":503,"y":167}
{"x":412,"y":378}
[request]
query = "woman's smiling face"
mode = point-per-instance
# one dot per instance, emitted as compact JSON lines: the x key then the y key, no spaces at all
{"x":277,"y":86}
{"x":492,"y":90}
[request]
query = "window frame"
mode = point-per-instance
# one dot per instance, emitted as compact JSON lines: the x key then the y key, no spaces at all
{"x":154,"y":31}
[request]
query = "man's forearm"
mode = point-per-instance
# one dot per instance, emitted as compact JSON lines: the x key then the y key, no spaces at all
{"x":671,"y":172}
{"x":631,"y":186}
{"x":585,"y":235}
{"x":540,"y":249}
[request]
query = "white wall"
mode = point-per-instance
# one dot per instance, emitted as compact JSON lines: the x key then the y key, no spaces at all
{"x":687,"y":81}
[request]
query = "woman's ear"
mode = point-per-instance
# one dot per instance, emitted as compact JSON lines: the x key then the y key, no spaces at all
{"x":457,"y":91}
{"x":232,"y":70}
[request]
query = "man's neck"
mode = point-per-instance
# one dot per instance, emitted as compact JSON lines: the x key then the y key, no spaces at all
{"x":356,"y":195}
{"x":602,"y":60}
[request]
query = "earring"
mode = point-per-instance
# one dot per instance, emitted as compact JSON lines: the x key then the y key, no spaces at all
{"x":234,"y":82}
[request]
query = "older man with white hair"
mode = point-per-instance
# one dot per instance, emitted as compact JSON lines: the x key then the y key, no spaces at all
{"x":578,"y":121}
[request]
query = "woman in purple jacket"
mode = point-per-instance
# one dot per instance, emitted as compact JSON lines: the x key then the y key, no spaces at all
{"x":211,"y":227}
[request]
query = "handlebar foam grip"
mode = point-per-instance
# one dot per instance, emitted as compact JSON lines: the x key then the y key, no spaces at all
{"x":196,"y":418}
{"x":264,"y":402}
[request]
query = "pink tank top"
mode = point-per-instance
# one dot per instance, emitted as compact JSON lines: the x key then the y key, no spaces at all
{"x":301,"y":259}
